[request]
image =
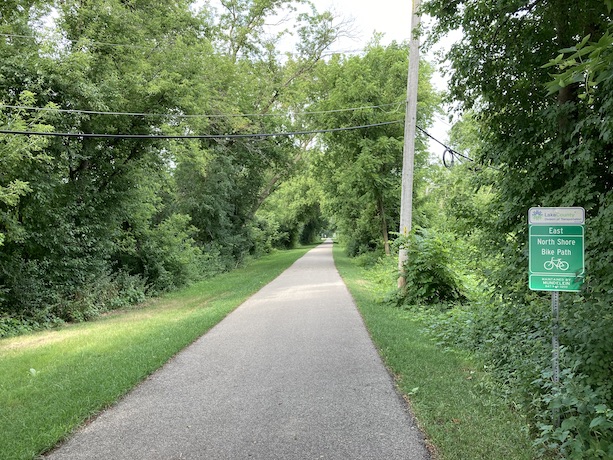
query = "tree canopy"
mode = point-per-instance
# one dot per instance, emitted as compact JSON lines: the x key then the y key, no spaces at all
{"x":534,"y":78}
{"x":103,"y":210}
{"x":83,"y":216}
{"x":364,"y":167}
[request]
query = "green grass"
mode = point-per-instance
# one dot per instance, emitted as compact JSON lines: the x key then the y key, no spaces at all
{"x":449,"y":392}
{"x":51,"y":382}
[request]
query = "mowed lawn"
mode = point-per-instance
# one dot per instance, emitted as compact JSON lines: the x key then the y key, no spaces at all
{"x":53,"y":381}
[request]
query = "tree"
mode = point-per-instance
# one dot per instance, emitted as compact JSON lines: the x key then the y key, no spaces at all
{"x":223,"y":183}
{"x":82,"y":217}
{"x":295,"y":208}
{"x":548,"y":150}
{"x":17,"y":156}
{"x":90,"y":197}
{"x":363,"y":167}
{"x":587,"y":64}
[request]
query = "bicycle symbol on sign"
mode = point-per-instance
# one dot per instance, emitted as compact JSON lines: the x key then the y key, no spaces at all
{"x":556,"y":263}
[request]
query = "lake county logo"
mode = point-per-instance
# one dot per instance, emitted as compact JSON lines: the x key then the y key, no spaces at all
{"x":556,"y":216}
{"x":536,"y":215}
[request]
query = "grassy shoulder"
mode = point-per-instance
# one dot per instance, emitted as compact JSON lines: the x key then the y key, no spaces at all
{"x":52,"y":381}
{"x":449,"y":392}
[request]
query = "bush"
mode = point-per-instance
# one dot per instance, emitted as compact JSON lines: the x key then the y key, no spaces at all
{"x":265,"y":235}
{"x":11,"y":326}
{"x":100,"y":295}
{"x":59,"y":304}
{"x":164,"y":255}
{"x":586,"y":428}
{"x":514,"y":339}
{"x":429,"y":276}
{"x":27,"y":289}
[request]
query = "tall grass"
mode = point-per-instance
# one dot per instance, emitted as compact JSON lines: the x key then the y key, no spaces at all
{"x":51,"y":382}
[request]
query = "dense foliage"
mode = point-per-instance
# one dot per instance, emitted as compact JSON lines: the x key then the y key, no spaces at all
{"x":539,"y":140}
{"x":93,"y":223}
{"x":363,"y":167}
{"x":429,"y":272}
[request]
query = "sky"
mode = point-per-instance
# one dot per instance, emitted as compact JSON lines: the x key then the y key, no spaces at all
{"x":393,"y":19}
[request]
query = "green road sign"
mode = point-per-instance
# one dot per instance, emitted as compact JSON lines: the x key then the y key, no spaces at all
{"x":556,"y":250}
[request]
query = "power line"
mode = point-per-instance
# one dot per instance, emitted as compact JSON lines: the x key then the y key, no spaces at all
{"x":447,"y":148}
{"x":172,"y":115}
{"x":442,"y":120}
{"x":224,"y":136}
{"x":153,"y":47}
{"x":210,"y":116}
{"x":88,"y":42}
{"x":194,"y":136}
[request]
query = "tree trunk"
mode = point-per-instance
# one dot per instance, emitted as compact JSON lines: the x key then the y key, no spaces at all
{"x":567,"y":94}
{"x":384,"y":231}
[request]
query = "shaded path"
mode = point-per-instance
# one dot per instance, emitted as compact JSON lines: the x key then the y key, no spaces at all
{"x":290,"y":374}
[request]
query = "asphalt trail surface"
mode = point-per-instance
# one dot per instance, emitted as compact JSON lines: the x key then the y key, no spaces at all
{"x":291,"y":374}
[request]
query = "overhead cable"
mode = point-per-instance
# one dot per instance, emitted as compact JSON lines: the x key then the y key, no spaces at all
{"x":193,"y":136}
{"x":158,"y":47}
{"x":89,"y":42}
{"x":227,"y":136}
{"x":447,"y":148}
{"x":172,"y":115}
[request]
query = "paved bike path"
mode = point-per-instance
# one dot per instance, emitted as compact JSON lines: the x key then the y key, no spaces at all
{"x":290,"y":374}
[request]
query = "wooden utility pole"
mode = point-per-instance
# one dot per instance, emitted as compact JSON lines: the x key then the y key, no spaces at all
{"x":410,"y":123}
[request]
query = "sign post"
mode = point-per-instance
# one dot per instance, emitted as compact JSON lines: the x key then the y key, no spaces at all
{"x":557,"y":263}
{"x":555,"y":343}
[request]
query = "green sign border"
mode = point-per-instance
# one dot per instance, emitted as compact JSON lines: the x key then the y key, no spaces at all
{"x":575,"y":233}
{"x":561,"y":280}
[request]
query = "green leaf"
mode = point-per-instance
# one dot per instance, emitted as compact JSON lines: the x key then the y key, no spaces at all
{"x":598,"y":421}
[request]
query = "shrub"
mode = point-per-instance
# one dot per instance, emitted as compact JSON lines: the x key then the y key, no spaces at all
{"x":99,"y":295}
{"x":514,"y":339}
{"x":429,"y":276}
{"x":586,"y":428}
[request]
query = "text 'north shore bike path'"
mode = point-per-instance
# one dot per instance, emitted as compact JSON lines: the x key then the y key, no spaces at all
{"x":291,"y":374}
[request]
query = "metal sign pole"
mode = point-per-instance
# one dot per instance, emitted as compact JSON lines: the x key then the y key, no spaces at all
{"x":555,"y":342}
